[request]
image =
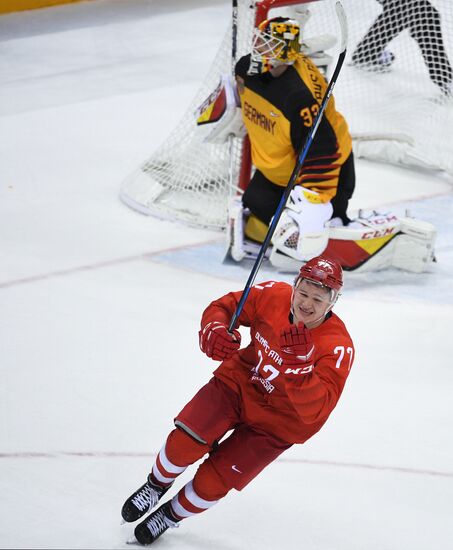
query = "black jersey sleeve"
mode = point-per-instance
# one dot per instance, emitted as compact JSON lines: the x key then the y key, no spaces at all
{"x":242,"y":66}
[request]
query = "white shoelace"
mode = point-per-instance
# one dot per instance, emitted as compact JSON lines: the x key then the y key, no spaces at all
{"x":145,"y":499}
{"x":159,"y":522}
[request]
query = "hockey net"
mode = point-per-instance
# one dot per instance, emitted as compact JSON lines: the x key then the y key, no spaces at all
{"x":401,"y":113}
{"x":396,"y":113}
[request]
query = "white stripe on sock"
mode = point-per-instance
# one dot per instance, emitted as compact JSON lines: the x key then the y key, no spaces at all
{"x":197,"y":501}
{"x":169,"y":466}
{"x":179,"y":510}
{"x":160,"y":477}
{"x":194,"y":499}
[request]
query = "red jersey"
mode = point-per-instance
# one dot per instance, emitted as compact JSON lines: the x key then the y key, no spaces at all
{"x":292,"y":409}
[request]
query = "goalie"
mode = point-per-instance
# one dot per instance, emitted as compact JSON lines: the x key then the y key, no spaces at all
{"x":279,"y":87}
{"x":280,"y":90}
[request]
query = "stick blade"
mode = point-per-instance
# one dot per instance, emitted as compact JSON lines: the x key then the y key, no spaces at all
{"x":342,"y":19}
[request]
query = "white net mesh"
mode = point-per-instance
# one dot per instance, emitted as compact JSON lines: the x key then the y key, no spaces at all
{"x":187,"y":179}
{"x":394,"y":90}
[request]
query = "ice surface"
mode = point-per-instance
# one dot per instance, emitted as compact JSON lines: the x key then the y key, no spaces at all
{"x":100,"y":309}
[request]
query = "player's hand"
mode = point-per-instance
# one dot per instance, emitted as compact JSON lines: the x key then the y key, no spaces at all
{"x":217,"y":343}
{"x":297,"y":348}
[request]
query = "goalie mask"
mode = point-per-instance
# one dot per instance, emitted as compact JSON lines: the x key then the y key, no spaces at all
{"x":275,"y":42}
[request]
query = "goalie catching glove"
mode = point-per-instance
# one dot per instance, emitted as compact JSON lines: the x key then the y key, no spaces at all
{"x":217,"y":343}
{"x":297,"y":350}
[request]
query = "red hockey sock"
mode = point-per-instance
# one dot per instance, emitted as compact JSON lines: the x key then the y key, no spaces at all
{"x":200,"y":494}
{"x":180,"y":450}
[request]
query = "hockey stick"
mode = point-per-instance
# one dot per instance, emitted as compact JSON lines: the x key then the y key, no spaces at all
{"x":234,"y":33}
{"x":300,"y":160}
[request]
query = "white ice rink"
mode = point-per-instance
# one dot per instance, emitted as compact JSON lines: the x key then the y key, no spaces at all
{"x":100,"y":307}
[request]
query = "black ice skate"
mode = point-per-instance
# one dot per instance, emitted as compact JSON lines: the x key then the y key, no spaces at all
{"x":142,"y":501}
{"x":155,"y":525}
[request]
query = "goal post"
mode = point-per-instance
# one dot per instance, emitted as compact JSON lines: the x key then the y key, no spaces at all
{"x":398,"y":115}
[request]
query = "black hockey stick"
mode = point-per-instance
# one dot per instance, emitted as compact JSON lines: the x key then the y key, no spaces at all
{"x":300,"y":160}
{"x":234,"y":33}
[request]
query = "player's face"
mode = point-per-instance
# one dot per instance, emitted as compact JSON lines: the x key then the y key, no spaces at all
{"x":311,"y":302}
{"x":267,"y":46}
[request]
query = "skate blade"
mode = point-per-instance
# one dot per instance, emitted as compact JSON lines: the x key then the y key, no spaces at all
{"x":133,"y":541}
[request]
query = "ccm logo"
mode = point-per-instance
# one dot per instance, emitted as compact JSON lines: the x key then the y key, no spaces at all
{"x":382,"y":219}
{"x":378,"y":233}
{"x":300,"y":370}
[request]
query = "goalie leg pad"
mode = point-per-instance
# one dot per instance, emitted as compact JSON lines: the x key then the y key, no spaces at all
{"x":235,"y":230}
{"x":414,"y":248}
{"x":238,"y":246}
{"x":380,"y":241}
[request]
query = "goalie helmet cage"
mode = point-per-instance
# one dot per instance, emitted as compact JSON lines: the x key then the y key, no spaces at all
{"x":396,"y":114}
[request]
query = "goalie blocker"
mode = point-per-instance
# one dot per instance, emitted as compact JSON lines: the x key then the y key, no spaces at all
{"x":370,"y":242}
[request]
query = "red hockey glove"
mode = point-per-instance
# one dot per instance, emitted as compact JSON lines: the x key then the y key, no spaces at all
{"x":216,"y":342}
{"x":297,"y":349}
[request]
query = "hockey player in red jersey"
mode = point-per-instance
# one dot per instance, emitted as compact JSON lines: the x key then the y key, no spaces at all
{"x":278,"y":390}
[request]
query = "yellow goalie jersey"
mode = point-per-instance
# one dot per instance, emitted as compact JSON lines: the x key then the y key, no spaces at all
{"x":278,"y":113}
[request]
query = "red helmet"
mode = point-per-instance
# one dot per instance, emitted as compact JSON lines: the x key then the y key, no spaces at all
{"x":323,"y":271}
